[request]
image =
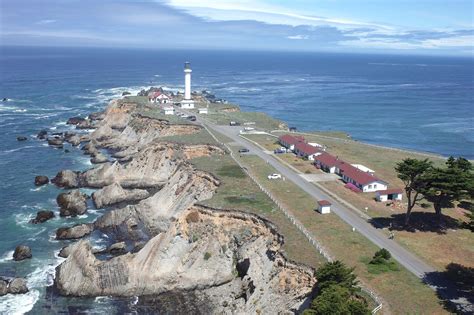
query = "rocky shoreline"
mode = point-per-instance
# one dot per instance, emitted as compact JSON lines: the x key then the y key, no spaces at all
{"x":164,"y":246}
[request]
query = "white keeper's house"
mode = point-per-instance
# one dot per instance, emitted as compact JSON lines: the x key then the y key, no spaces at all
{"x":159,"y":97}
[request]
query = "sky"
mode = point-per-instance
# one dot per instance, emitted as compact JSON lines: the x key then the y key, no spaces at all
{"x":437,"y":27}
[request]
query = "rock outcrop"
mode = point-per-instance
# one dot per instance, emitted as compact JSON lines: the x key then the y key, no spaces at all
{"x":74,"y":232}
{"x":200,"y":251}
{"x":114,"y":193}
{"x":66,"y":179}
{"x":3,"y":287}
{"x":154,"y":215}
{"x":42,"y":216}
{"x":22,"y":252}
{"x":43,"y":134}
{"x":72,"y":203}
{"x":18,"y":286}
{"x":41,"y":180}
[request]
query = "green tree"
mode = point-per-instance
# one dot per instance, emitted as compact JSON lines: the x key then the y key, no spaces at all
{"x":445,"y":186}
{"x":412,"y":172}
{"x":337,"y":300}
{"x":357,"y":307}
{"x":460,"y":162}
{"x":336,"y":272}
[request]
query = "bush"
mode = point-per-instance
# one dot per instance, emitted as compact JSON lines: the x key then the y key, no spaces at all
{"x":383,"y":253}
{"x":207,"y":255}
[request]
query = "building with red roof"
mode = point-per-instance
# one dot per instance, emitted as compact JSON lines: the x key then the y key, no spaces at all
{"x":324,"y":206}
{"x":159,"y":97}
{"x":307,"y":151}
{"x":327,"y":162}
{"x":366,"y":182}
{"x":289,"y":141}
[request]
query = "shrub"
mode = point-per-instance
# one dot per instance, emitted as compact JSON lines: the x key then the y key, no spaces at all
{"x":207,"y":255}
{"x":383,"y":253}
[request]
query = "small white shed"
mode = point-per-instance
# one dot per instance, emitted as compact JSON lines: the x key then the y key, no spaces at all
{"x":168,"y":110}
{"x":324,"y":206}
{"x":389,"y":194}
{"x":203,"y":110}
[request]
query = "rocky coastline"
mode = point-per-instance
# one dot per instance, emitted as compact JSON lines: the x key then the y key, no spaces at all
{"x":163,"y":245}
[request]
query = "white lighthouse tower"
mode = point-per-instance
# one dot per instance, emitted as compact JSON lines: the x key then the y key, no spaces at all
{"x":187,"y":102}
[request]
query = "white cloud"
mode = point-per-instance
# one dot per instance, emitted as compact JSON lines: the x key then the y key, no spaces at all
{"x":393,"y":43}
{"x":42,"y":22}
{"x":298,"y":37}
{"x":225,"y":10}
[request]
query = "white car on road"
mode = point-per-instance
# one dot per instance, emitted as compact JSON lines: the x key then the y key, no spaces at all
{"x":274,"y":176}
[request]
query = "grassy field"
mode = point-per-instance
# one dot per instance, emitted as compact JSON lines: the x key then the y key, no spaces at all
{"x":455,"y":244}
{"x":238,"y":191}
{"x":403,"y":292}
{"x":223,"y":114}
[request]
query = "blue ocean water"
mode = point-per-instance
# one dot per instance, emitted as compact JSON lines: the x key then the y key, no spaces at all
{"x":421,"y":103}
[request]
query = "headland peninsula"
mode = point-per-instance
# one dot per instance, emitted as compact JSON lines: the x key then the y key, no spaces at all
{"x":193,"y":223}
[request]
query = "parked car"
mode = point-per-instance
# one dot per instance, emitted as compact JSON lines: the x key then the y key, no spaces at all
{"x":191,"y":118}
{"x":274,"y":176}
{"x":279,"y":151}
{"x":234,"y":123}
{"x":244,"y":150}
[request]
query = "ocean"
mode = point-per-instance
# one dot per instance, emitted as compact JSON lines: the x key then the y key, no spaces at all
{"x":420,"y":103}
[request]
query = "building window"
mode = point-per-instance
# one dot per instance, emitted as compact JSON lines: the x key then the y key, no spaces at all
{"x":375,"y":186}
{"x":370,"y":186}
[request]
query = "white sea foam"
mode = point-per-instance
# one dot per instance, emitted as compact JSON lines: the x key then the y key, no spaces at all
{"x":23,"y":220}
{"x":8,"y":108}
{"x":14,"y":304}
{"x":37,"y":188}
{"x":7,"y":256}
{"x":18,"y":149}
{"x":41,"y":277}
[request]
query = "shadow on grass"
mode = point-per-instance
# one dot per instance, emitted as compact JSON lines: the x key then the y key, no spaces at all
{"x":419,"y":221}
{"x":455,"y":287}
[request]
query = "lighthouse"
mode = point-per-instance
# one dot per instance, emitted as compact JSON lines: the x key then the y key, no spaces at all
{"x":187,"y":102}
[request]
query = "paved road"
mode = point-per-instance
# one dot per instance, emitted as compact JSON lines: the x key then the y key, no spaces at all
{"x":407,"y":259}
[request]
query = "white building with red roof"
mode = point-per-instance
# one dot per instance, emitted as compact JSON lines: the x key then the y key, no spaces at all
{"x":159,"y":97}
{"x":327,"y":163}
{"x":289,"y":141}
{"x":307,"y":151}
{"x":324,"y":207}
{"x":366,"y":182}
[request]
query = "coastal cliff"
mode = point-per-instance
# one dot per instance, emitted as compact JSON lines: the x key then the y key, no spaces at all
{"x":172,"y":248}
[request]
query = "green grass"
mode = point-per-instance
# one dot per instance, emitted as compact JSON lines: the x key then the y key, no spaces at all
{"x":242,"y":200}
{"x":223,"y":114}
{"x":386,"y":266}
{"x":231,"y":171}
